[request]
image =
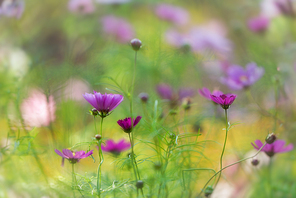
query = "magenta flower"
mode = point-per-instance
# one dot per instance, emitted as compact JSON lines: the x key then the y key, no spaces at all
{"x":38,"y":110}
{"x":126,"y":123}
{"x":225,"y":100}
{"x":116,"y":148}
{"x":104,"y":103}
{"x":271,"y":149}
{"x":118,"y":28}
{"x":11,"y":8}
{"x":207,"y":94}
{"x":240,"y":78}
{"x":73,"y":157}
{"x":174,"y":14}
{"x":81,"y":6}
{"x":258,"y":24}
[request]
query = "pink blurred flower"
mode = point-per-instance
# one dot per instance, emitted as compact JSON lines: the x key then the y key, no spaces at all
{"x":202,"y":39}
{"x":112,"y":1}
{"x":118,"y":28}
{"x":174,"y":14}
{"x":37,"y":110}
{"x":74,"y":88}
{"x":258,"y":24}
{"x":81,"y":6}
{"x":12,"y":8}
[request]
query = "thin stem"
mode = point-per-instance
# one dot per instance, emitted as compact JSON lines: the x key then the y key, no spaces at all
{"x":73,"y":179}
{"x":99,"y":177}
{"x":223,"y":150}
{"x":229,"y":166}
{"x":132,"y":157}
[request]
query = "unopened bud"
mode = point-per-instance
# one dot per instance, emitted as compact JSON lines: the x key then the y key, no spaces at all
{"x":255,"y":162}
{"x":98,"y":137}
{"x":140,"y":184}
{"x":136,"y":44}
{"x":144,"y":97}
{"x":208,"y":191}
{"x":157,"y":166}
{"x":270,"y":138}
{"x":94,"y":112}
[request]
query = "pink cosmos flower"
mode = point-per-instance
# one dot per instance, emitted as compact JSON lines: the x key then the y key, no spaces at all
{"x":38,"y":110}
{"x":207,"y":94}
{"x":271,"y":149}
{"x":174,"y":14}
{"x":118,"y":28}
{"x":239,"y":78}
{"x":12,"y":8}
{"x":258,"y":24}
{"x":73,"y":157}
{"x":126,"y":123}
{"x":115,"y":147}
{"x":225,"y":100}
{"x":81,"y":6}
{"x":103,"y":103}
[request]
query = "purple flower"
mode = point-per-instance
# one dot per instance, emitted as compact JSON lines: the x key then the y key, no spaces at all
{"x":225,"y":100}
{"x":73,"y":157}
{"x":166,"y":92}
{"x":12,"y":8}
{"x":240,"y":78}
{"x":271,"y":149}
{"x":285,"y":7}
{"x":118,"y":28}
{"x":126,"y":123}
{"x":116,"y":148}
{"x":174,"y":14}
{"x":104,"y":103}
{"x":258,"y":24}
{"x":207,"y":94}
{"x":81,"y":6}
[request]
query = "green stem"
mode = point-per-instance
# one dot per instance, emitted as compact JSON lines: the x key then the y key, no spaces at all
{"x":223,"y":150}
{"x":229,"y":166}
{"x":73,"y":179}
{"x":132,"y":157}
{"x":99,"y":177}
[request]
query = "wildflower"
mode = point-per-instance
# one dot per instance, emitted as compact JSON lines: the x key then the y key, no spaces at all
{"x":12,"y":8}
{"x":73,"y":157}
{"x":136,"y":44}
{"x":104,"y":103}
{"x":118,"y":28}
{"x":81,"y":6}
{"x":174,"y":14}
{"x":239,"y":78}
{"x":166,"y":92}
{"x":258,"y":24}
{"x":38,"y":110}
{"x":126,"y":124}
{"x":285,"y":7}
{"x":207,"y":94}
{"x":271,"y":149}
{"x":225,"y":100}
{"x":116,"y":148}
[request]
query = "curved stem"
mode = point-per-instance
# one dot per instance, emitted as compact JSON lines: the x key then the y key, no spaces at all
{"x":223,"y":150}
{"x":229,"y":166}
{"x":73,"y":180}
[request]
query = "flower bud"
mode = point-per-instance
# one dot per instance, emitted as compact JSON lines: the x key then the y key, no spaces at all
{"x":98,"y":137}
{"x":255,"y":162}
{"x":94,"y":112}
{"x":172,"y":136}
{"x":136,"y":44}
{"x":208,"y":191}
{"x":270,"y":138}
{"x":157,"y":166}
{"x":140,"y":184}
{"x":186,"y":103}
{"x":144,"y":97}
